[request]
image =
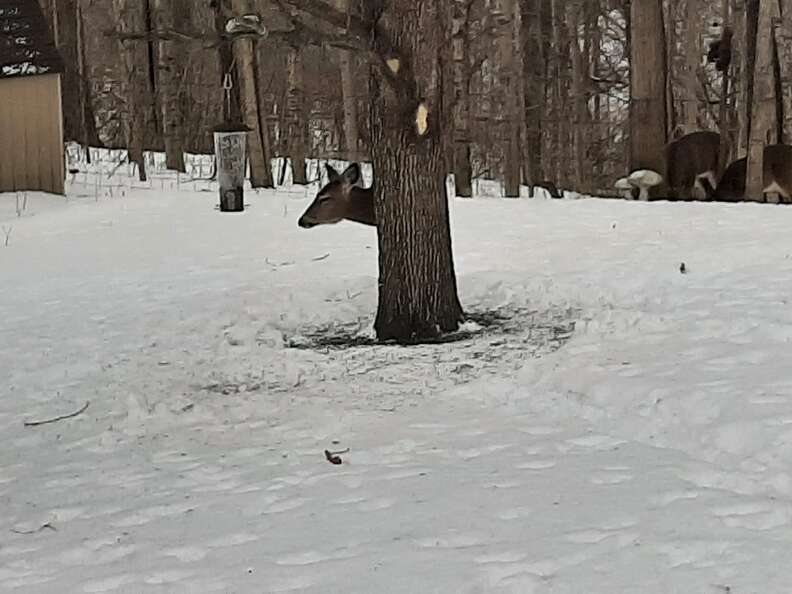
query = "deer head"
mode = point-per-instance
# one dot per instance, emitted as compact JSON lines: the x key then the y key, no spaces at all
{"x":340,"y":199}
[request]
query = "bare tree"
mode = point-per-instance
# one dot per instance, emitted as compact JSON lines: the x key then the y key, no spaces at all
{"x":258,"y":139}
{"x":460,"y":44}
{"x":349,"y":95}
{"x":297,"y":129}
{"x":406,"y":44}
{"x":170,"y":72}
{"x":763,"y":108}
{"x":535,"y":80}
{"x":133,"y":18}
{"x":508,"y":18}
{"x":648,"y":114}
{"x":783,"y":32}
{"x":692,"y":51}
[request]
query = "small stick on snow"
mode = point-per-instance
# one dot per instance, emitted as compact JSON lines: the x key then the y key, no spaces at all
{"x":334,"y":457}
{"x":60,"y":418}
{"x":39,"y":529}
{"x":320,"y":258}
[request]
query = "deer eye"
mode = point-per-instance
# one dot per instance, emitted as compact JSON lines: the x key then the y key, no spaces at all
{"x":323,"y":199}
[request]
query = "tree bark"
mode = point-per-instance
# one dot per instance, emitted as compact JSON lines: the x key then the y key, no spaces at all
{"x":750,"y":29}
{"x":463,"y":173}
{"x":692,"y":54}
{"x":258,"y":139}
{"x":580,"y":91}
{"x":783,"y":39}
{"x":510,"y":76}
{"x":65,"y":33}
{"x":297,"y":124}
{"x":763,"y":109}
{"x":89,"y":134}
{"x":346,"y":62}
{"x":132,"y":18}
{"x":417,"y":283}
{"x":534,"y":80}
{"x":648,"y":116}
{"x":169,"y":78}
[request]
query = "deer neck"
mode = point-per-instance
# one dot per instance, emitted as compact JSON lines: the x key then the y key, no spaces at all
{"x":361,"y":206}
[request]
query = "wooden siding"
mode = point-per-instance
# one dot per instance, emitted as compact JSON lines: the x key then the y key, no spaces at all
{"x":31,"y":134}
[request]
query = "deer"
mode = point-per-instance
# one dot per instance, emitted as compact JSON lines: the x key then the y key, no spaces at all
{"x":341,"y":199}
{"x":692,"y":164}
{"x":776,"y":172}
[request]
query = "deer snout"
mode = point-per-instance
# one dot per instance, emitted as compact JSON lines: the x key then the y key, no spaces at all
{"x":305,"y":223}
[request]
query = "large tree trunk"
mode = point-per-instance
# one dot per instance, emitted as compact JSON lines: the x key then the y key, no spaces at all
{"x":648,"y":116}
{"x":258,"y":139}
{"x":169,"y":78}
{"x":417,"y":284}
{"x":297,"y":135}
{"x":763,"y":127}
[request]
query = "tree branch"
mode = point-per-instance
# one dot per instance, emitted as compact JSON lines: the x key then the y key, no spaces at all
{"x":367,"y":35}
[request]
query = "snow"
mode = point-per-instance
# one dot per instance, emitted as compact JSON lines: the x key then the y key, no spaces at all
{"x":630,"y":430}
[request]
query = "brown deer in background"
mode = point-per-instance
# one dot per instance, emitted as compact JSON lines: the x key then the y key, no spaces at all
{"x":341,"y":199}
{"x":692,"y":160}
{"x":776,"y":171}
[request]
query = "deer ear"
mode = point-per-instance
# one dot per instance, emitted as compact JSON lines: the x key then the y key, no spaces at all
{"x":332,"y":174}
{"x":351,"y":174}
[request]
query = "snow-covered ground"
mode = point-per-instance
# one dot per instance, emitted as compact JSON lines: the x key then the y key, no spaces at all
{"x":649,"y":450}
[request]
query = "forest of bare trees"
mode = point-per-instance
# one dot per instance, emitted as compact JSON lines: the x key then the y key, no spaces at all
{"x":642,"y":98}
{"x":539,"y":90}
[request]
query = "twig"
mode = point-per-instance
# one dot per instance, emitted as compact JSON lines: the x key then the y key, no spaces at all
{"x":320,"y":258}
{"x":334,"y":457}
{"x":60,"y":418}
{"x":276,"y":265}
{"x":39,"y":529}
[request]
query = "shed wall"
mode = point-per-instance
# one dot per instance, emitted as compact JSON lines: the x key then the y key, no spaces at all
{"x":31,"y":134}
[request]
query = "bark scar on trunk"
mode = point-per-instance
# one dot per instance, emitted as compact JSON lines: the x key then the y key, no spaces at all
{"x":394,"y":64}
{"x":422,"y":119}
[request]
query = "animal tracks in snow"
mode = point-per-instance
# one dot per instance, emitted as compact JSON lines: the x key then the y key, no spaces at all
{"x":753,"y":516}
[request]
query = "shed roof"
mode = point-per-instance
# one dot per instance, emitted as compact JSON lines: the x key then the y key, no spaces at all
{"x":26,"y":45}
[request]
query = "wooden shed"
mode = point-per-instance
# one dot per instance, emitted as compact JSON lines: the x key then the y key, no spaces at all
{"x":31,"y":118}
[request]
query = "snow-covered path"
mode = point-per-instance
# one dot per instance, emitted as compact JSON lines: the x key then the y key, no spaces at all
{"x":650,"y":452}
